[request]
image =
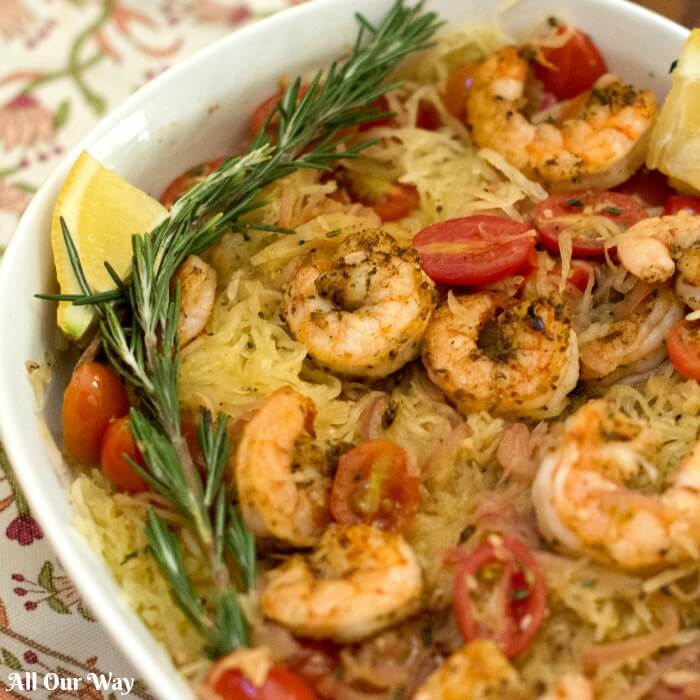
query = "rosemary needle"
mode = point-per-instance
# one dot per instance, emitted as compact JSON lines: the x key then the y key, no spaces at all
{"x":138,"y":320}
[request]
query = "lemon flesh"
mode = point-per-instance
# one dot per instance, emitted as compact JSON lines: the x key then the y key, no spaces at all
{"x":674,"y":148}
{"x":101,"y":211}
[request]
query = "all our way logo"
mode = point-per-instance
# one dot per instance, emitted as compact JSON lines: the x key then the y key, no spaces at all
{"x":31,"y":680}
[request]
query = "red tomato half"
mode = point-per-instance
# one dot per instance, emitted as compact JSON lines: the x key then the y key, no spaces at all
{"x":680,"y":202}
{"x":261,"y":113}
{"x":95,"y":396}
{"x":381,"y":104}
{"x":390,"y":200}
{"x":579,"y":278}
{"x":570,"y":210}
{"x":474,"y":250}
{"x":579,"y":274}
{"x":264,"y":110}
{"x":499,"y":594}
{"x":427,"y":116}
{"x":182,"y":183}
{"x":373,"y":485}
{"x":118,"y":442}
{"x":683,"y":345}
{"x":399,"y":201}
{"x":649,"y":186}
{"x":574,"y":67}
{"x":280,"y":684}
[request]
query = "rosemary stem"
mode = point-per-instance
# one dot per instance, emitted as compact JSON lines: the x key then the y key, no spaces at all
{"x":139,"y":325}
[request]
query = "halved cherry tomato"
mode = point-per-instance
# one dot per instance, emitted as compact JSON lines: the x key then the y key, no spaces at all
{"x":681,"y":202}
{"x":264,"y":110}
{"x":574,"y":67}
{"x":381,"y":104}
{"x":390,"y":200}
{"x":579,"y":274}
{"x":373,"y":485}
{"x":116,"y":444}
{"x":399,"y":201}
{"x":579,"y":277}
{"x":426,"y":118}
{"x":261,"y":113}
{"x":280,"y":684}
{"x":474,"y":250}
{"x":499,"y":594}
{"x":531,"y":264}
{"x":182,"y":183}
{"x":649,"y":186}
{"x":457,"y":89}
{"x":683,"y":345}
{"x":570,"y":210}
{"x":95,"y":396}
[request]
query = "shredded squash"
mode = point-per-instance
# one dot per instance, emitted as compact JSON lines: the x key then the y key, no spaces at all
{"x":247,"y":352}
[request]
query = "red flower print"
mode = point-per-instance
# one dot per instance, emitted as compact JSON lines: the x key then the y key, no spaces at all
{"x":240,"y":14}
{"x":24,"y":529}
{"x":53,"y":589}
{"x":24,"y":122}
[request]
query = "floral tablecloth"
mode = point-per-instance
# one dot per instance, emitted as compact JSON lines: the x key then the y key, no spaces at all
{"x":63,"y":65}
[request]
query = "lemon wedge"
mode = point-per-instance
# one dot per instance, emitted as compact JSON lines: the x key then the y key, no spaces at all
{"x":674,"y":148}
{"x":101,"y":211}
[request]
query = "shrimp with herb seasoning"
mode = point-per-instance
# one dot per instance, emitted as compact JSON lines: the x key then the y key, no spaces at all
{"x":359,"y":580}
{"x":489,"y":352}
{"x":656,"y":248}
{"x":361,"y":312}
{"x":599,"y":145}
{"x":280,"y":474}
{"x":582,"y":499}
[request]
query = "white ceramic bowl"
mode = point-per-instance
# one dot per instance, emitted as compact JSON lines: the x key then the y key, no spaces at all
{"x":194,"y":112}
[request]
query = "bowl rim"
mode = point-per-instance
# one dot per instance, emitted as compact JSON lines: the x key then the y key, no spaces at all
{"x":15,"y":440}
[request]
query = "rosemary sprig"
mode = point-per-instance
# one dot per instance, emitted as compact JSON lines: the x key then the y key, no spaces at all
{"x":138,"y":320}
{"x":241,"y":544}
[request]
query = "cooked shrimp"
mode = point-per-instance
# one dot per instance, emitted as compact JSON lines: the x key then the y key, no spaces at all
{"x":490,"y":352}
{"x":571,"y":686}
{"x":358,"y":581}
{"x":688,"y":277}
{"x":627,"y":342}
{"x":582,"y":501}
{"x":280,"y":474}
{"x":653,"y":249}
{"x":600,"y":147}
{"x":363,"y":312}
{"x":480,"y":671}
{"x":197,"y":294}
